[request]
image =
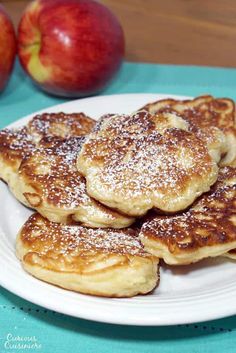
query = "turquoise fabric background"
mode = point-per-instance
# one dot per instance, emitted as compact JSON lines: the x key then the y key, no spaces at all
{"x":51,"y":332}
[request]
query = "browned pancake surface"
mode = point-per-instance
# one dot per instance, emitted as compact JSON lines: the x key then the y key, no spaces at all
{"x":16,"y":143}
{"x":105,"y":262}
{"x":137,"y":162}
{"x":205,"y":112}
{"x":209,"y":224}
{"x":45,"y":238}
{"x":50,"y":183}
{"x":60,"y":125}
{"x":38,"y":163}
{"x":52,"y":175}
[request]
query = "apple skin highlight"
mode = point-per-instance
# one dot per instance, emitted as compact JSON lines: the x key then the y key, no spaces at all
{"x":7,"y":48}
{"x":70,"y":47}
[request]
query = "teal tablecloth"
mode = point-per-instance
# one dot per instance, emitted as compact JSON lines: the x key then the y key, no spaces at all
{"x":48,"y":332}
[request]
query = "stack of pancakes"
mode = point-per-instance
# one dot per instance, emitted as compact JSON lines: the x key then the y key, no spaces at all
{"x":115,"y":196}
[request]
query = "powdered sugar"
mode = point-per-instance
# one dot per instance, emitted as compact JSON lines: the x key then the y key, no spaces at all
{"x":144,"y":156}
{"x":66,"y":239}
{"x":211,"y":220}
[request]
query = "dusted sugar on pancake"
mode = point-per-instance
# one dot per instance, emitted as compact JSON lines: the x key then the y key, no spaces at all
{"x":142,"y":161}
{"x":17,"y":143}
{"x":50,"y":182}
{"x":38,"y":162}
{"x":14,"y":145}
{"x":212,"y":119}
{"x":103,"y":262}
{"x":60,"y":125}
{"x":207,"y":229}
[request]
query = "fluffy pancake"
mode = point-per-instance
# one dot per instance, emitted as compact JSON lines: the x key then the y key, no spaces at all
{"x":16,"y":143}
{"x":104,"y":262}
{"x":206,"y":115}
{"x":137,"y":162}
{"x":60,"y":125}
{"x":58,"y":192}
{"x":49,"y":181}
{"x":207,"y":229}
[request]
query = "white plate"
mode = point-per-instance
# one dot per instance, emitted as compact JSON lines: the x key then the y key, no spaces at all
{"x":188,"y":294}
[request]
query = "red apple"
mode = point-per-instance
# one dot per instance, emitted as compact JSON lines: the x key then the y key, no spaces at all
{"x":7,"y":47}
{"x":70,"y":47}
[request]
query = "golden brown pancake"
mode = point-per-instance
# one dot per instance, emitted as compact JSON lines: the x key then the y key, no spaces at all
{"x":58,"y":192}
{"x":103,"y":262}
{"x":206,"y":115}
{"x":16,"y":143}
{"x":51,"y":184}
{"x":60,"y":125}
{"x":232,"y":253}
{"x":207,"y":229}
{"x":138,"y":162}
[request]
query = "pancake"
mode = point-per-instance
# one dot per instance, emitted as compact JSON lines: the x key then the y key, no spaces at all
{"x":61,"y":194}
{"x":16,"y":143}
{"x":142,"y":161}
{"x":60,"y":125}
{"x":206,"y":116}
{"x":48,"y":179}
{"x":207,"y":229}
{"x":230,"y":254}
{"x":103,"y":262}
